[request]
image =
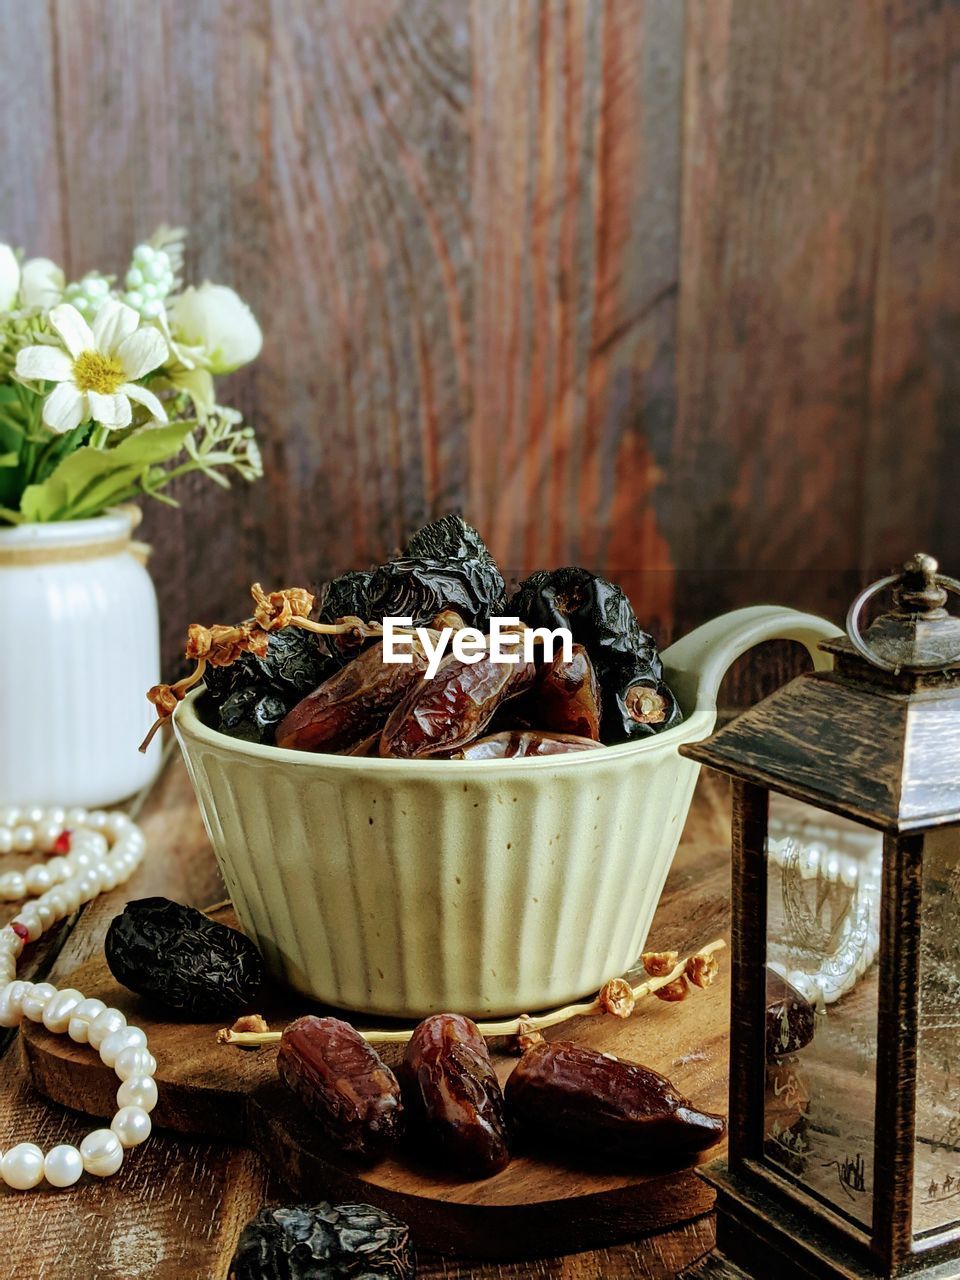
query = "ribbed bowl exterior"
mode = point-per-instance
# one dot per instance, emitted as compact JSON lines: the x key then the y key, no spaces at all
{"x":409,"y":887}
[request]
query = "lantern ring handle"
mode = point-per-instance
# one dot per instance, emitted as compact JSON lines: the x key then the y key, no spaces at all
{"x":861,"y":646}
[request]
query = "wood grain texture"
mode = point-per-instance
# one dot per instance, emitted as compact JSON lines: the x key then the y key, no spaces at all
{"x":180,"y":1203}
{"x":662,"y":287}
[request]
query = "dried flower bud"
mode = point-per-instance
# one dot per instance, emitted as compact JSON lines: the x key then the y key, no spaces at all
{"x":659,"y":963}
{"x":278,"y":609}
{"x":702,"y":969}
{"x":616,"y":997}
{"x":675,"y":990}
{"x":527,"y":1036}
{"x":250,"y":1022}
{"x":164,"y":698}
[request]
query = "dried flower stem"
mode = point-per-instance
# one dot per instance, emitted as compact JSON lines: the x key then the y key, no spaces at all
{"x":509,"y":1027}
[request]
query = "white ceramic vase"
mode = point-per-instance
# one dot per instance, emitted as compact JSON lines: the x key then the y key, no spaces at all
{"x":79,"y":647}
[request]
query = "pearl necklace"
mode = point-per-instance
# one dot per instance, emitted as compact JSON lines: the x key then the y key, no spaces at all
{"x":92,"y":852}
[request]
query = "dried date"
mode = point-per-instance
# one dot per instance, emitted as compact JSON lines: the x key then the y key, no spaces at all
{"x":182,"y":959}
{"x":353,"y":703}
{"x":449,"y":711}
{"x":454,"y":1097}
{"x":324,"y":1242}
{"x":578,"y":1098}
{"x":566,"y":696}
{"x":344,"y":1084}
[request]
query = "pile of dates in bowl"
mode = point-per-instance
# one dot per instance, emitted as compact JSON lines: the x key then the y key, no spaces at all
{"x":335,"y":693}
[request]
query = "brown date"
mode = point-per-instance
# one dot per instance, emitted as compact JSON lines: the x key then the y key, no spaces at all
{"x":453,"y":1095}
{"x":453,"y":708}
{"x":589,"y":1101}
{"x":513,"y":744}
{"x":343,"y":1083}
{"x":353,"y":703}
{"x":566,"y":697}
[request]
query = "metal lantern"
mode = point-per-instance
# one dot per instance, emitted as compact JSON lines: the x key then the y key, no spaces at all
{"x":844,"y":1151}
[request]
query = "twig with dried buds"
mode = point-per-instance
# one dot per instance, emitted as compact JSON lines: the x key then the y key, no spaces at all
{"x":220,"y":645}
{"x":616,"y":997}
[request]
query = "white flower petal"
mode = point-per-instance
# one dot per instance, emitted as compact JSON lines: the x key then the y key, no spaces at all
{"x":41,"y":283}
{"x":142,"y":352}
{"x":114,"y":322}
{"x":50,"y":363}
{"x":64,"y":408}
{"x":72,"y":328}
{"x":146,"y":398}
{"x":111,"y":411}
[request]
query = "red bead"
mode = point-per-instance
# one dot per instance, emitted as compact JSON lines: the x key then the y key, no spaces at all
{"x":20,"y":930}
{"x":62,"y":842}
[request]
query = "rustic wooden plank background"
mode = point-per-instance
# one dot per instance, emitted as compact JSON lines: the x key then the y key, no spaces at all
{"x":666,"y":288}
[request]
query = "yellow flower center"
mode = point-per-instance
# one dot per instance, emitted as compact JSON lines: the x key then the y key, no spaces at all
{"x":94,"y":371}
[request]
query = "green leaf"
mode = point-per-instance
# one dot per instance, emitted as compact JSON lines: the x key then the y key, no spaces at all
{"x":9,"y":459}
{"x":87,"y":481}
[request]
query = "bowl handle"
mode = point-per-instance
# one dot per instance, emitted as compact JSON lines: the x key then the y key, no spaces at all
{"x":697,"y":663}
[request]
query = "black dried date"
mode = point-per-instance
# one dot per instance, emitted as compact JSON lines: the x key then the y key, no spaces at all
{"x":453,"y":1096}
{"x":589,"y":1101}
{"x":181,"y":958}
{"x":324,"y":1242}
{"x":344,"y":1084}
{"x":601,"y":618}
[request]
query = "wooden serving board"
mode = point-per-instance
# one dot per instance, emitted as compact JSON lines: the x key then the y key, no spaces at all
{"x":536,"y":1206}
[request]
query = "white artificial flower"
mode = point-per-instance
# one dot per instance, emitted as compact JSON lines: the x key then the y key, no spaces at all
{"x":9,"y":278}
{"x":41,"y":283}
{"x":96,"y":368}
{"x":215,"y":318}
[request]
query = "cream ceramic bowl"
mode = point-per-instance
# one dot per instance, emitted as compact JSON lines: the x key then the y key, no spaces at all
{"x":407,"y":887}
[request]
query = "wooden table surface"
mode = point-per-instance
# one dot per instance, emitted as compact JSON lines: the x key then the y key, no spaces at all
{"x":177,"y":1206}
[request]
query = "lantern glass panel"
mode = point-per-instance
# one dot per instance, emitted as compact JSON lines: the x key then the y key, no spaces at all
{"x":936,"y":1186}
{"x":823,"y":912}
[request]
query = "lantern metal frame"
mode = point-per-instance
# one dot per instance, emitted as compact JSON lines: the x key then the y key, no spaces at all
{"x":908,"y":786}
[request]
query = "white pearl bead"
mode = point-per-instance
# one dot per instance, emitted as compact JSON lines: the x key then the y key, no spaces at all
{"x":12,"y":885}
{"x":56,"y":815}
{"x":38,"y":879}
{"x":57,"y":903}
{"x":114,"y":1044}
{"x":23,"y":839}
{"x":33,"y":815}
{"x":103,"y":1025}
{"x":138,"y":1091}
{"x":22,"y":1166}
{"x":80,"y":860}
{"x":118,"y":824}
{"x":132,"y":1126}
{"x":36,"y":1000}
{"x":8,"y":969}
{"x":62,"y":1166}
{"x":57,"y":1014}
{"x":10,"y":941}
{"x":78,"y":1028}
{"x":134,"y":1062}
{"x":88,"y":884}
{"x":46,"y":914}
{"x":47,"y":834}
{"x":96,"y":820}
{"x":58,"y":867}
{"x":11,"y":1004}
{"x":9,"y":815}
{"x":101,"y":1152}
{"x":6,"y":839}
{"x":75,"y":817}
